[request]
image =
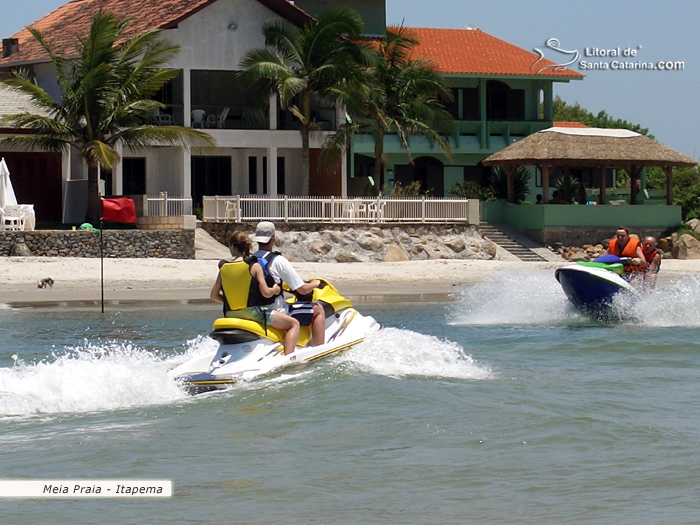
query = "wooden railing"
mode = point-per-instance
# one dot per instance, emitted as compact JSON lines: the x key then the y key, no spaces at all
{"x":284,"y":208}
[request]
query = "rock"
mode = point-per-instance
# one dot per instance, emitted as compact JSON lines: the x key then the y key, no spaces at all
{"x":377,"y":231}
{"x":320,"y":247}
{"x":605,"y":243}
{"x":343,"y":256}
{"x":490,"y":248}
{"x":664,"y":244}
{"x":20,"y":249}
{"x":687,"y":247}
{"x":371,"y":243}
{"x":395,"y":254}
{"x":456,"y":244}
{"x":693,"y":224}
{"x":578,"y":256}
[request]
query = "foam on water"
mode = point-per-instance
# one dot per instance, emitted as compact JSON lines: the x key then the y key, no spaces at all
{"x":89,"y":378}
{"x":527,"y":297}
{"x":675,"y":303}
{"x":514,"y":298}
{"x":397,"y":353}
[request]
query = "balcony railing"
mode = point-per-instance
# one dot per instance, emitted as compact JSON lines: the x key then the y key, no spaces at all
{"x":166,"y":206}
{"x":239,"y":208}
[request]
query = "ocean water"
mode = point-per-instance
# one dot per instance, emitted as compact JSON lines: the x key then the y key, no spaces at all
{"x":502,"y":405}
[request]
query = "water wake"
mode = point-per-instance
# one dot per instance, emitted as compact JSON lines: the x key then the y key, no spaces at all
{"x":514,"y":298}
{"x":397,"y":353}
{"x":88,"y":378}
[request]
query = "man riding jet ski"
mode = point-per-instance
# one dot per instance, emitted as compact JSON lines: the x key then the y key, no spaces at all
{"x":255,"y":339}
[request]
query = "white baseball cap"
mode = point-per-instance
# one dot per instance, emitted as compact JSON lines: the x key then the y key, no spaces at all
{"x":264,"y":231}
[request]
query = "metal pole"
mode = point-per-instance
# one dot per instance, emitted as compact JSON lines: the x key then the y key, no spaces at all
{"x":102,"y":266}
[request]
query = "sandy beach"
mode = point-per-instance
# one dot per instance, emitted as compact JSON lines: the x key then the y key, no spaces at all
{"x":77,"y":280}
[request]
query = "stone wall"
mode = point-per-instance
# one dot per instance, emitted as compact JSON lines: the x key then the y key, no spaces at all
{"x":313,"y":242}
{"x":173,"y":244}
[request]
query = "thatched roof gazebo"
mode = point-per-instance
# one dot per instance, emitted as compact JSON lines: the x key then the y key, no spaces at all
{"x":589,"y":147}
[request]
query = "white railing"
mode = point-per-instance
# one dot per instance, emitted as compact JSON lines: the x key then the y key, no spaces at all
{"x":240,"y":208}
{"x":165,"y":206}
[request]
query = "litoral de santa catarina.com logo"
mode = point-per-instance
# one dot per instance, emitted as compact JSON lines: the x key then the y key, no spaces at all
{"x":616,"y":58}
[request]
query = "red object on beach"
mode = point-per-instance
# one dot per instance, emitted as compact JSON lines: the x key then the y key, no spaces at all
{"x":119,"y":210}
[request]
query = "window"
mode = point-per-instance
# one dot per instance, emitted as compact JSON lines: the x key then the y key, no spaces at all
{"x":133,"y":176}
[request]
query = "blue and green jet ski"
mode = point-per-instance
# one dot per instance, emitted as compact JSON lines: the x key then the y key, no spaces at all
{"x":591,"y":286}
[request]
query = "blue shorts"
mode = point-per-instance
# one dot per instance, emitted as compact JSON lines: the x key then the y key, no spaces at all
{"x":259,"y":314}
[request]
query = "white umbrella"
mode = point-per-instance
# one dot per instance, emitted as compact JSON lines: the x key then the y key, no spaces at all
{"x":7,"y":193}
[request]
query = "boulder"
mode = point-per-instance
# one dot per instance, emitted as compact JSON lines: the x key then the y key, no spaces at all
{"x":343,"y":256}
{"x":578,"y":256}
{"x":456,"y":244}
{"x":371,"y":243}
{"x":664,"y":244}
{"x":490,"y":248}
{"x":687,"y":247}
{"x":320,"y":247}
{"x":20,"y":249}
{"x":395,"y":254}
{"x":693,"y":224}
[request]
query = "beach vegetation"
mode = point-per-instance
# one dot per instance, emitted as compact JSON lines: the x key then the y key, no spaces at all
{"x":402,"y":96}
{"x":321,"y":60}
{"x":470,"y":190}
{"x":499,"y":182}
{"x":105,"y":99}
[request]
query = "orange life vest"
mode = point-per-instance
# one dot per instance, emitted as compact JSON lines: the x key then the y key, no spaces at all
{"x":630,"y":250}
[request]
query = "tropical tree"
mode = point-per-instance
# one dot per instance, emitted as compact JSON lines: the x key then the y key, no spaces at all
{"x":105,"y":99}
{"x":404,"y":97}
{"x":321,"y":59}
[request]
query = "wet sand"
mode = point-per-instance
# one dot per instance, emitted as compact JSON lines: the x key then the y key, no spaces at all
{"x":77,"y":280}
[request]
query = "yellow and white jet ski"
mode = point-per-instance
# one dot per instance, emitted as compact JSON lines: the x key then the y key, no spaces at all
{"x":248,"y":349}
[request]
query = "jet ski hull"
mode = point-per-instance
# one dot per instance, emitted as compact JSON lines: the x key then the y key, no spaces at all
{"x":591,"y":289}
{"x":242,"y":356}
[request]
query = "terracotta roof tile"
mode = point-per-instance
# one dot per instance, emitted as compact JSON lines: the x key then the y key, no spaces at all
{"x":471,"y":51}
{"x":74,"y":18}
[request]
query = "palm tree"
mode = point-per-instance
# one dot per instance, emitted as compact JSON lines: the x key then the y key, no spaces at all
{"x":405,"y":97}
{"x":105,"y":100}
{"x":322,"y":59}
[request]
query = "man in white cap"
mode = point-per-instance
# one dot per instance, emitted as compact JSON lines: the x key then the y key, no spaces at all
{"x":282,"y":270}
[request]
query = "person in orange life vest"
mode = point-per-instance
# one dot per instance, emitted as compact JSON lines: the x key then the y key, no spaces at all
{"x":625,"y":246}
{"x":652,"y":256}
{"x":260,"y":296}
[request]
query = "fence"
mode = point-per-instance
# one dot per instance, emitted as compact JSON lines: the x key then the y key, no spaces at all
{"x":165,"y":206}
{"x":240,"y":208}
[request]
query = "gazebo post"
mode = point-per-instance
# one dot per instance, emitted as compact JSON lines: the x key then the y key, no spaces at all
{"x":510,"y":184}
{"x":668,"y":170}
{"x":567,"y":184}
{"x":603,"y":169}
{"x":634,"y":172}
{"x":545,"y":182}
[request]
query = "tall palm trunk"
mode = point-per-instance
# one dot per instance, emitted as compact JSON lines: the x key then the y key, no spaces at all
{"x":94,"y":207}
{"x":304,"y":129}
{"x":378,"y":159}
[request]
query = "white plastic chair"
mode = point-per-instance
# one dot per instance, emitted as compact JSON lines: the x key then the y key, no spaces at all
{"x":221,"y":120}
{"x":198,"y":116}
{"x":11,"y":218}
{"x":230,"y":210}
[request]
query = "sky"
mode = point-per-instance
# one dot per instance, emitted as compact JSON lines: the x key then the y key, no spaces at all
{"x":662,"y":100}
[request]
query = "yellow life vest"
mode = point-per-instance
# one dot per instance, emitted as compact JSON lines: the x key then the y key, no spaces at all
{"x":236,"y":282}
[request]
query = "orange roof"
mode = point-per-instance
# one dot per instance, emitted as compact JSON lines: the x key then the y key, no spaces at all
{"x":471,"y":51}
{"x":568,"y":125}
{"x":74,"y":18}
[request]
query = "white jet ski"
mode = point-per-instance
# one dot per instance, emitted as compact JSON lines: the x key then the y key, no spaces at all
{"x":248,"y":349}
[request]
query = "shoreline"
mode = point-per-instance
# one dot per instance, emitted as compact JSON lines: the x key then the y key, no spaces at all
{"x":170,"y":281}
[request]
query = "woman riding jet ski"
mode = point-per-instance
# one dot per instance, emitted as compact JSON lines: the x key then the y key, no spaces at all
{"x":252,"y":337}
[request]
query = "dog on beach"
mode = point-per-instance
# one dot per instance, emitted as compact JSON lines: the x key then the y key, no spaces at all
{"x":46,"y":281}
